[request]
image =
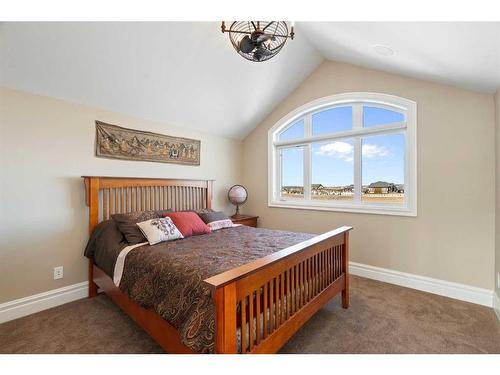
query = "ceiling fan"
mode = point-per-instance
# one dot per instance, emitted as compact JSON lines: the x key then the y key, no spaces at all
{"x":258,"y":40}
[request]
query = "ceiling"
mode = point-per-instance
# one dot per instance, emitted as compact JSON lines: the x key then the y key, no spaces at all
{"x":188,"y":74}
{"x":184,"y":74}
{"x":463,"y":54}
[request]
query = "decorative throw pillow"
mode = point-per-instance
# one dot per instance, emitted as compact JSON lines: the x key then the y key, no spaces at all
{"x":159,"y":230}
{"x":221,"y":224}
{"x":209,"y":217}
{"x":127,"y":224}
{"x":188,"y":223}
{"x":216,"y":220}
{"x":203,"y":210}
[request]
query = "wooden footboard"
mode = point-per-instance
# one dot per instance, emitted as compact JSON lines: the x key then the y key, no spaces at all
{"x":260,"y":305}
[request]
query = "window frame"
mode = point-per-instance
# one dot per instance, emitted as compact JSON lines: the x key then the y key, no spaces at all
{"x":357,"y":100}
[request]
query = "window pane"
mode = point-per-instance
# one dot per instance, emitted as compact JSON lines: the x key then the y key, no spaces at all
{"x":383,"y":168}
{"x":292,"y":172}
{"x":332,"y":171}
{"x":293,"y":132}
{"x":332,"y":120}
{"x":374,"y":116}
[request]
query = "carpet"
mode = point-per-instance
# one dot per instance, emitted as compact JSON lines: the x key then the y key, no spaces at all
{"x":383,"y":318}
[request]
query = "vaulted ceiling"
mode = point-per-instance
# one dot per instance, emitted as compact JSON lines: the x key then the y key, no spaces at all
{"x":183,"y":74}
{"x":188,"y":74}
{"x":463,"y":54}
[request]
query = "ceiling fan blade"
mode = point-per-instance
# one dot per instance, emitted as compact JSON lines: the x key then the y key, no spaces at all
{"x":264,"y":38}
{"x":246,"y":45}
{"x":264,"y":51}
{"x":261,"y":52}
{"x":257,"y":55}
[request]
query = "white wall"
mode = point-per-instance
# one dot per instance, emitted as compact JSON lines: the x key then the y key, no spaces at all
{"x":452,"y":238}
{"x":45,"y":146}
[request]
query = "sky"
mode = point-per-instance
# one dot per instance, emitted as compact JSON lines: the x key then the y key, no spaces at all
{"x":332,"y":162}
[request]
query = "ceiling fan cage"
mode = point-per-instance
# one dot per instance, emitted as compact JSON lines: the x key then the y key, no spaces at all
{"x":258,"y":40}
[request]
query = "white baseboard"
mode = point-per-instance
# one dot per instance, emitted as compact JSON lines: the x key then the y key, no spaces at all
{"x":42,"y":301}
{"x":496,"y":305}
{"x":458,"y":291}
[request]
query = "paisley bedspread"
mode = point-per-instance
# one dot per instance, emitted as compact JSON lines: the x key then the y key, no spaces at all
{"x":168,"y":277}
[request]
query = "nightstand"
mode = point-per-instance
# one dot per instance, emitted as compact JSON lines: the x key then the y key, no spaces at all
{"x":248,"y":220}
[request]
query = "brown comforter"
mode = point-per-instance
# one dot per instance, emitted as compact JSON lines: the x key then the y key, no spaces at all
{"x":168,"y":277}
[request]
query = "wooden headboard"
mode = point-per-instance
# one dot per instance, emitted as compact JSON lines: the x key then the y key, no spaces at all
{"x":106,"y":196}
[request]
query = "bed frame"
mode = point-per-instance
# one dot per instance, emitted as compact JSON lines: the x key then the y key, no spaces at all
{"x":288,"y":286}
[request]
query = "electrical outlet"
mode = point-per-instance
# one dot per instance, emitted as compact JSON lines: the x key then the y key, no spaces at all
{"x":58,"y":272}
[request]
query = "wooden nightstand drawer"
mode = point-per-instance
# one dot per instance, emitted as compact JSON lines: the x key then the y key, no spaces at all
{"x":248,"y":220}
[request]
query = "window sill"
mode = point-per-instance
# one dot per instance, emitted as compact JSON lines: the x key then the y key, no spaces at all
{"x":361,"y":209}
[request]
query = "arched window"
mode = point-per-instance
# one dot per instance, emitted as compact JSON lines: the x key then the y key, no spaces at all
{"x":352,"y":152}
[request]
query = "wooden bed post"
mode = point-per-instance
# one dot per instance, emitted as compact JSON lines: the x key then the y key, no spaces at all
{"x":345,"y":266}
{"x":225,"y":320}
{"x":209,"y":193}
{"x":92,"y":200}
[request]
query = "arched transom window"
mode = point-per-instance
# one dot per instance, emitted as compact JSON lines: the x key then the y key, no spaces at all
{"x":351,"y":152}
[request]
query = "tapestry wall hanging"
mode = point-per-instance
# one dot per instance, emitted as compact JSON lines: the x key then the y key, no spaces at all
{"x":121,"y":143}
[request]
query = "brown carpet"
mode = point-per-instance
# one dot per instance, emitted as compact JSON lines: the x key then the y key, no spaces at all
{"x":383,"y":318}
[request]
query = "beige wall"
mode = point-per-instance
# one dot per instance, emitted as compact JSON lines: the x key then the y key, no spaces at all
{"x":453,"y":236}
{"x":45,"y":146}
{"x":497,"y":174}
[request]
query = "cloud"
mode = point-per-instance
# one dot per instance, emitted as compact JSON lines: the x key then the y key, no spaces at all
{"x":341,"y":150}
{"x":371,"y":151}
{"x":345,"y":150}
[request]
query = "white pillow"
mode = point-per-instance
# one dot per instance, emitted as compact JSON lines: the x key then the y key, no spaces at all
{"x":219,"y":224}
{"x":159,"y":230}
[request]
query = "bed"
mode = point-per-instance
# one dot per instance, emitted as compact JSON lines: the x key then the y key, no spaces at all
{"x":253,"y":288}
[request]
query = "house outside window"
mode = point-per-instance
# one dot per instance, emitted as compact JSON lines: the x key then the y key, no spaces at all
{"x":353,"y":152}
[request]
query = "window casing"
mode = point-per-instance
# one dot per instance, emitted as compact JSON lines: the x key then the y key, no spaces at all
{"x":303,"y":146}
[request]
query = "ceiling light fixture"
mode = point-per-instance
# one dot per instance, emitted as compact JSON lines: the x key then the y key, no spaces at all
{"x":258,"y":40}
